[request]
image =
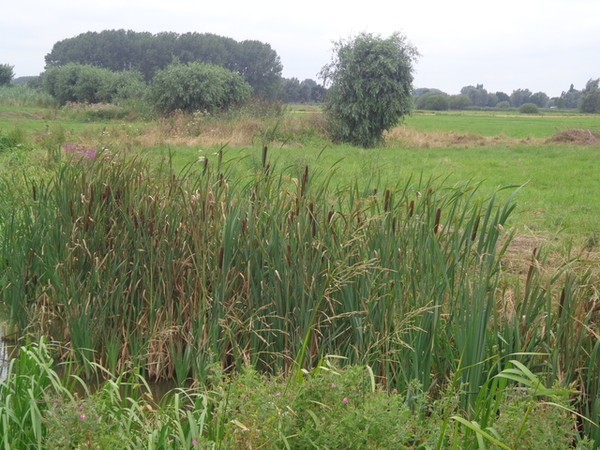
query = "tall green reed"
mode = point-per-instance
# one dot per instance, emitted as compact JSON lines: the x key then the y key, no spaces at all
{"x":126,"y":263}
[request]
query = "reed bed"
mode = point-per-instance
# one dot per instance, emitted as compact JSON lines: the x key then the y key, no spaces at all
{"x":129,"y":265}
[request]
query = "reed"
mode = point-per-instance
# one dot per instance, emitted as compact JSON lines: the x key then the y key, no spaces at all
{"x":128,"y":264}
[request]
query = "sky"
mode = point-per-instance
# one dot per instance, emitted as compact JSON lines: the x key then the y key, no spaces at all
{"x":540,"y":45}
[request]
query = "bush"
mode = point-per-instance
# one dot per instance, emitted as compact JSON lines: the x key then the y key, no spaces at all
{"x":371,"y":84}
{"x":89,"y":84}
{"x":433,"y":101}
{"x":529,"y":108}
{"x":503,"y":105}
{"x":197,"y":87}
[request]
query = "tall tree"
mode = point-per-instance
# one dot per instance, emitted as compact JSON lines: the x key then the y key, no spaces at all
{"x":520,"y":97}
{"x":6,"y":74}
{"x":119,"y":50}
{"x":370,"y":87}
{"x":590,"y":97}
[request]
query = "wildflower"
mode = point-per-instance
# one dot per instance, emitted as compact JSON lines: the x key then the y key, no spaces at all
{"x":332,"y":385}
{"x":81,"y":408}
{"x":194,"y":442}
{"x":395,"y":391}
{"x":82,"y":416}
{"x":345,"y":399}
{"x":278,"y":394}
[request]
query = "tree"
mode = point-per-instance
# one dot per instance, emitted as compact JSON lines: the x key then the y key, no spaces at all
{"x":119,"y":50}
{"x":540,"y":99}
{"x":370,"y":90}
{"x":520,"y":97}
{"x":460,"y":101}
{"x":590,"y":97}
{"x":478,"y":95}
{"x":6,"y":74}
{"x":197,"y":87}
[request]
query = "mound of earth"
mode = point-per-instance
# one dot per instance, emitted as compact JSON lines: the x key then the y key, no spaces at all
{"x":575,"y":137}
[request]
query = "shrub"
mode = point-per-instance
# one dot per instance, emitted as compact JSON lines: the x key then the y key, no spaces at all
{"x":371,"y":84}
{"x":88,"y":84}
{"x":197,"y":87}
{"x":503,"y":105}
{"x":433,"y":101}
{"x":529,"y":108}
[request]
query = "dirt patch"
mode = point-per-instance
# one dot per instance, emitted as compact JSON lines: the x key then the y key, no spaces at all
{"x":575,"y":137}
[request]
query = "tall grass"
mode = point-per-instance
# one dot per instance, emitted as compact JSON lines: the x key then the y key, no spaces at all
{"x":179,"y":272}
{"x":23,"y":95}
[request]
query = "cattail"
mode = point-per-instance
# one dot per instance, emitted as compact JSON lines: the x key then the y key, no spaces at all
{"x":264,"y":157}
{"x":386,"y":202}
{"x":474,"y":234}
{"x":411,"y":208}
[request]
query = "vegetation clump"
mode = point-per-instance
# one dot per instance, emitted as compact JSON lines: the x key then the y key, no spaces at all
{"x":529,"y":108}
{"x":371,"y":87}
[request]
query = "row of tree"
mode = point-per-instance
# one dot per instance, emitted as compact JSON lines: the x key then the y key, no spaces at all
{"x":587,"y":100}
{"x":147,"y":53}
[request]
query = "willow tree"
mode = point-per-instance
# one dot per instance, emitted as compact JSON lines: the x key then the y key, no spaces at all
{"x":370,"y":91}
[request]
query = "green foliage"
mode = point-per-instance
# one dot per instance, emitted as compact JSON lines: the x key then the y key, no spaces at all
{"x":503,"y":105}
{"x":6,"y":74}
{"x":529,"y":108}
{"x":331,"y":406}
{"x":197,"y":87}
{"x":120,"y":50}
{"x":590,"y":97}
{"x":25,"y":95}
{"x":89,"y":84}
{"x":460,"y":101}
{"x":433,"y":101}
{"x":371,"y":87}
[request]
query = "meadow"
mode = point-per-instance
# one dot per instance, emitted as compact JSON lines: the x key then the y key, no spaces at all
{"x":437,"y":292}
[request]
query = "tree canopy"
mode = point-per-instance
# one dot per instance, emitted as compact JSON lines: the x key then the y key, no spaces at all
{"x":147,"y":53}
{"x":371,"y":87}
{"x":590,"y":97}
{"x":6,"y":74}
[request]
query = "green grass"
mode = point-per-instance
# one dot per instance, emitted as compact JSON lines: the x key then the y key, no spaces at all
{"x":496,"y":123}
{"x":557,"y":179}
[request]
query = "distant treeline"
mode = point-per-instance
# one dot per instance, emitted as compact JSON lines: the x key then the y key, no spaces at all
{"x":147,"y":53}
{"x":587,"y":100}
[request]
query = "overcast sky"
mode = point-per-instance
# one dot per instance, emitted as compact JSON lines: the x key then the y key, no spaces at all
{"x":542,"y":45}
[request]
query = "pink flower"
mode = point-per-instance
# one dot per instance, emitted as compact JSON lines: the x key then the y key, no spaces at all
{"x":81,"y":408}
{"x":278,"y":394}
{"x":82,"y":416}
{"x":395,"y":391}
{"x":332,"y":385}
{"x":194,"y":442}
{"x":345,"y":399}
